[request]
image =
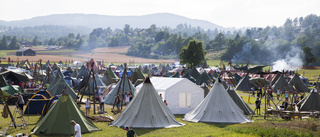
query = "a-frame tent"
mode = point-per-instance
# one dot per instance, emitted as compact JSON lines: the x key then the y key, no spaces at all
{"x":50,"y":75}
{"x":311,"y":102}
{"x":239,"y":101}
{"x":83,"y":72}
{"x":46,"y":65}
{"x":195,"y":74}
{"x":245,"y":84}
{"x":282,"y":84}
{"x":217,"y":107}
{"x":112,"y":74}
{"x":204,"y":78}
{"x":274,"y":80}
{"x":188,"y":76}
{"x":140,"y":74}
{"x":298,"y":84}
{"x":61,"y":86}
{"x":107,"y":79}
{"x":176,"y":75}
{"x":147,"y":110}
{"x":57,"y":120}
{"x":125,"y":85}
{"x":74,"y":73}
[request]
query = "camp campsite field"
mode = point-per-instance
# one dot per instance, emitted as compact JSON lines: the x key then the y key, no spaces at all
{"x":272,"y":126}
{"x":260,"y":127}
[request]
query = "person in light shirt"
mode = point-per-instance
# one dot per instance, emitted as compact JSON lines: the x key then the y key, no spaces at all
{"x":77,"y":129}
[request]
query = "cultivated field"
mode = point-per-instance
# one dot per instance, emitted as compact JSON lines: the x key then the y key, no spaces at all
{"x":108,"y":54}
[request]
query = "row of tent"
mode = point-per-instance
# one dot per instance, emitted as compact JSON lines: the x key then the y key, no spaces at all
{"x":279,"y":82}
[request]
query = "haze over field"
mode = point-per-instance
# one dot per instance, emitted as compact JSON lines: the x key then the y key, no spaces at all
{"x":226,"y":13}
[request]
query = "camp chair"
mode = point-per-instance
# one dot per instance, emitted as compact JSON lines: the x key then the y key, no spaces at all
{"x":3,"y":133}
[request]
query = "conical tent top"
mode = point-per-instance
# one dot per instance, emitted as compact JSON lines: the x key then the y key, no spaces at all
{"x":147,"y":80}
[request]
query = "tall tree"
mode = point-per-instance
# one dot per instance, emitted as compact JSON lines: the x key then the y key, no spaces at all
{"x":193,"y":54}
{"x":308,"y":56}
{"x":4,"y":43}
{"x":35,"y":41}
{"x":14,"y":43}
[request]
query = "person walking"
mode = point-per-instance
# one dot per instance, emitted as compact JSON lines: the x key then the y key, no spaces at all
{"x":77,"y":129}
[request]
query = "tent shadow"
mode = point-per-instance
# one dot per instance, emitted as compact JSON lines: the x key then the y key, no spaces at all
{"x":220,"y":125}
{"x":142,"y":131}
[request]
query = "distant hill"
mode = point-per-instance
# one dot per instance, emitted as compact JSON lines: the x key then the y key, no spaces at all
{"x":96,"y":21}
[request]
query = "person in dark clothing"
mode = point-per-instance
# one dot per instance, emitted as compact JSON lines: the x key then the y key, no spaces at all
{"x":258,"y":103}
{"x":130,"y":132}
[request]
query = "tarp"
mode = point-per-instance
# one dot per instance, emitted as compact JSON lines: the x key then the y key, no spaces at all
{"x":146,"y":110}
{"x":217,"y":107}
{"x":181,"y":94}
{"x":57,"y":121}
{"x":260,"y":81}
{"x":125,"y":85}
{"x":298,"y":84}
{"x":244,"y":84}
{"x":15,"y":77}
{"x":239,"y":101}
{"x":282,"y":84}
{"x":311,"y":102}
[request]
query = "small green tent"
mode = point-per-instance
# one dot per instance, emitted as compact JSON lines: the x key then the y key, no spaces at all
{"x":57,"y":121}
{"x":12,"y":89}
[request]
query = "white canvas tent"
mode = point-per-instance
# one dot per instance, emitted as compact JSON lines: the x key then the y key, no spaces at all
{"x":181,"y":94}
{"x":217,"y":107}
{"x":146,"y":110}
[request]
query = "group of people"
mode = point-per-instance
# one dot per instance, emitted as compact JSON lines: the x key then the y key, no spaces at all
{"x":30,"y":84}
{"x":269,"y":96}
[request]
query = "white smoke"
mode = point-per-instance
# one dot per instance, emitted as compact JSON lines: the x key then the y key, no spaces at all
{"x":292,"y":61}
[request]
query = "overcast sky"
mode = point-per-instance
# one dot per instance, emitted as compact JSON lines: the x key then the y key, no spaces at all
{"x":226,"y":13}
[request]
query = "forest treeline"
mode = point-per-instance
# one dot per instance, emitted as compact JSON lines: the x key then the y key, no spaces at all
{"x":254,"y":44}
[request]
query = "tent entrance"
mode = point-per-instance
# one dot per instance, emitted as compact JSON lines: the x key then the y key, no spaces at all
{"x":184,"y":100}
